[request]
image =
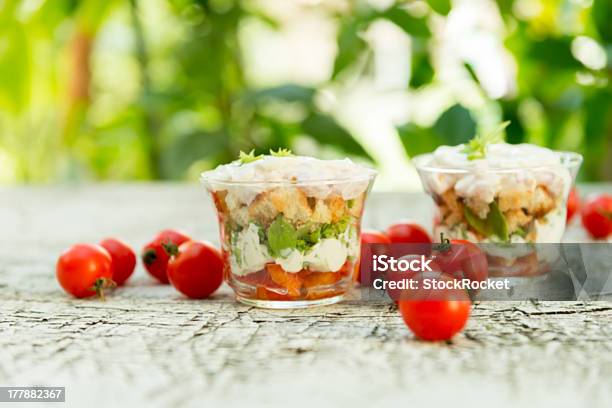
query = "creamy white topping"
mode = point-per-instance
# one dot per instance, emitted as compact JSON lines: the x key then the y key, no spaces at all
{"x":317,"y":178}
{"x":505,"y":166}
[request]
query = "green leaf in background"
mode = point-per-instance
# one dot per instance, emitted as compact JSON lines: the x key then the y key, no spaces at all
{"x":418,"y":140}
{"x":602,"y":16}
{"x":281,"y":235}
{"x":422,"y":72}
{"x":325,"y":130}
{"x":515,"y":132}
{"x":598,"y":122}
{"x":440,"y":6}
{"x":183,"y":150}
{"x":350,"y":46}
{"x":411,"y":25}
{"x":15,"y":79}
{"x":456,"y":125}
{"x":470,"y":69}
{"x":286,"y":93}
{"x":554,"y":52}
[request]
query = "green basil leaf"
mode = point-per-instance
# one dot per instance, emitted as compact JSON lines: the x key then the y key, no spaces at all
{"x":475,"y":222}
{"x":497,"y":222}
{"x":494,"y":224}
{"x":281,"y":235}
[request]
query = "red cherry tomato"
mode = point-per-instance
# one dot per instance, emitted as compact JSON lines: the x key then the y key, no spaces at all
{"x":374,"y":237}
{"x":196,"y":269}
{"x":408,"y":233}
{"x":597,"y":216}
{"x":573,"y":203}
{"x":85,"y":270}
{"x":438,"y":314}
{"x":123,"y":259}
{"x":370,"y":237}
{"x":154,"y":256}
{"x":462,"y":259}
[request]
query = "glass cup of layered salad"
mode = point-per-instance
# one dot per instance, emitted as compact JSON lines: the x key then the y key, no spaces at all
{"x":289,"y":226}
{"x":488,"y":191}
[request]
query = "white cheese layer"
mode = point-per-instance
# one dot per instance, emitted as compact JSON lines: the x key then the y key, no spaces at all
{"x":248,"y":255}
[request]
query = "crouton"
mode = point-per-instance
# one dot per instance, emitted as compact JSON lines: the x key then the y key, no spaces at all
{"x":511,"y":199}
{"x":321,"y":213}
{"x":451,"y":218}
{"x":240,"y":215}
{"x":337,"y":207}
{"x":543,"y":201}
{"x":517,"y":218}
{"x":262,"y":209}
{"x":478,"y":206}
{"x":292,"y":202}
{"x":454,"y":207}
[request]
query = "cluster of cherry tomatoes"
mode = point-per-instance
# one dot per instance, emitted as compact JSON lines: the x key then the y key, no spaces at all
{"x":194,"y":268}
{"x":595,"y":213}
{"x":440,"y":315}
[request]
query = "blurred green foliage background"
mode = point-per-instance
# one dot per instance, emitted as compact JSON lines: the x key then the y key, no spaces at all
{"x":161,"y":89}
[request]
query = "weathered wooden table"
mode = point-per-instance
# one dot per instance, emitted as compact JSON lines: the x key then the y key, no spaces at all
{"x":148,"y":345}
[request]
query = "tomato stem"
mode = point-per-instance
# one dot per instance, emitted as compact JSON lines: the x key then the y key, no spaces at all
{"x":171,"y":248}
{"x":607,"y":214}
{"x":444,"y":245}
{"x":149,"y":256}
{"x":101,"y":284}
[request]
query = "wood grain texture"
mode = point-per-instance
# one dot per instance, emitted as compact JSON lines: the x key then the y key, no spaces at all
{"x":148,"y":345}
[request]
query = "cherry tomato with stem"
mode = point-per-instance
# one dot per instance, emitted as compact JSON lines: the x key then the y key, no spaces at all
{"x":195,"y":268}
{"x":460,"y":259}
{"x":155,"y":258}
{"x":85,"y":270}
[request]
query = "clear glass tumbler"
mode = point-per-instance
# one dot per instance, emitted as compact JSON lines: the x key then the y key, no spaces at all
{"x":517,"y":205}
{"x":290,"y":244}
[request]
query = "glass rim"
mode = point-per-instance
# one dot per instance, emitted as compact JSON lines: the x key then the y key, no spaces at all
{"x":570,"y":160}
{"x":368,"y":175}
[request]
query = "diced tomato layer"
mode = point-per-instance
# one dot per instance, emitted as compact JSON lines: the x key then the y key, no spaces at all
{"x":290,"y":281}
{"x":312,"y":279}
{"x":266,"y":294}
{"x":274,"y":283}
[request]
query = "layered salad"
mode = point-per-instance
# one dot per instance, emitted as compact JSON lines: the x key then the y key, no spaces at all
{"x":289,"y":224}
{"x":491,"y":191}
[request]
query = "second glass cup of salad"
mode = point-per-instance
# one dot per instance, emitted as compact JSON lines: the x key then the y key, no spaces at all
{"x":501,"y":193}
{"x":289,"y":227}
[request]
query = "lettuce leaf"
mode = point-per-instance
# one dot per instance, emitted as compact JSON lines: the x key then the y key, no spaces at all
{"x":281,"y":235}
{"x":494,"y":224}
